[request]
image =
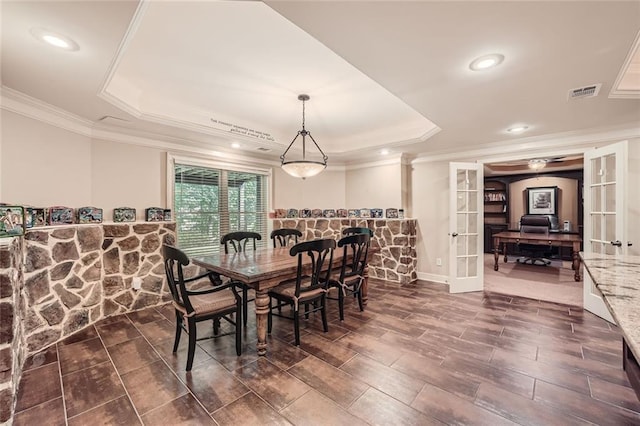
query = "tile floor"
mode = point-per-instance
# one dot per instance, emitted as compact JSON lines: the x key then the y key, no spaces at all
{"x":417,"y":355}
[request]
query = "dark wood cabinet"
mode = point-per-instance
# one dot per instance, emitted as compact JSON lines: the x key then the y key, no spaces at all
{"x":496,"y":202}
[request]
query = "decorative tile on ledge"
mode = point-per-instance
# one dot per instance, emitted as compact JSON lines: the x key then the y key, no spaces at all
{"x":396,"y":238}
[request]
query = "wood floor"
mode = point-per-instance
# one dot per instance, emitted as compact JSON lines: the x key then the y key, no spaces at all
{"x":416,"y":356}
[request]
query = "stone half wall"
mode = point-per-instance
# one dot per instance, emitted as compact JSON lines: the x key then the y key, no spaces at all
{"x":12,"y":351}
{"x":76,"y":275}
{"x":396,"y":239}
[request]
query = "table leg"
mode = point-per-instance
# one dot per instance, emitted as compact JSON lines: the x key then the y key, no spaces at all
{"x":365,"y":286}
{"x":576,"y":266}
{"x":504,"y":250}
{"x":496,"y":256}
{"x":262,"y":310}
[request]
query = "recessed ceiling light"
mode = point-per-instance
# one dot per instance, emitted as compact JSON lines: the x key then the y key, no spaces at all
{"x":54,"y":39}
{"x":384,"y":152}
{"x":235,"y":145}
{"x":486,"y":61}
{"x":517,"y":129}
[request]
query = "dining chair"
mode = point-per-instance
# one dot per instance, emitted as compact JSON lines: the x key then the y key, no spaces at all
{"x":285,"y":236}
{"x":309,"y":288}
{"x":238,"y":241}
{"x":354,"y":261}
{"x":357,"y":230}
{"x":193,"y":306}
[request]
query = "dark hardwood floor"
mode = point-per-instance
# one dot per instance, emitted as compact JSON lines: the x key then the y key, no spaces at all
{"x":416,"y":355}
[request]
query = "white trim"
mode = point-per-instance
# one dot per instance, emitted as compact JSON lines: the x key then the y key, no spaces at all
{"x":616,"y":93}
{"x":22,"y":104}
{"x":217,"y":164}
{"x":425,"y":276}
{"x":570,"y":142}
{"x":390,"y":160}
{"x":172,"y":158}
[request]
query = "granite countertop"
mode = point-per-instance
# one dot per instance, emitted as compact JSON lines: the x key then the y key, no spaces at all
{"x":618,"y":279}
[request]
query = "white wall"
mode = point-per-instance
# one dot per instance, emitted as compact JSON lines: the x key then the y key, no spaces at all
{"x":430,"y":195}
{"x":324,"y":191}
{"x":374,"y":187}
{"x":124,"y":175}
{"x":43,"y":165}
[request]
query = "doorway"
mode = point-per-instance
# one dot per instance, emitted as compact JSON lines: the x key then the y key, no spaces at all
{"x":506,"y":187}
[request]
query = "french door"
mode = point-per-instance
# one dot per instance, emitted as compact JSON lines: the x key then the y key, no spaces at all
{"x":466,"y":261}
{"x":605,"y":171}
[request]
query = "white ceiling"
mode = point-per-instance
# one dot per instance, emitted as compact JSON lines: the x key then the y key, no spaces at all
{"x":380,"y":74}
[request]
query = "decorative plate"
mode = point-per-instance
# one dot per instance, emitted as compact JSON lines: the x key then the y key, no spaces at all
{"x":305,"y":213}
{"x":366,"y":213}
{"x":89,"y":215}
{"x":281,"y":213}
{"x":60,"y":215}
{"x":354,"y":212}
{"x":154,"y":214}
{"x":342,"y":213}
{"x":124,"y":214}
{"x":292,"y":213}
{"x":329,"y":213}
{"x":316,"y":213}
{"x":377,"y":213}
{"x":11,"y":221}
{"x":392,"y":213}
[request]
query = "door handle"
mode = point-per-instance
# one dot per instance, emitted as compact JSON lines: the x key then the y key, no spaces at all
{"x":616,"y":243}
{"x":455,"y":234}
{"x":629,"y":243}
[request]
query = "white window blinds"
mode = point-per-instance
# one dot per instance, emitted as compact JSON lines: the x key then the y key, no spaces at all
{"x":210,"y":203}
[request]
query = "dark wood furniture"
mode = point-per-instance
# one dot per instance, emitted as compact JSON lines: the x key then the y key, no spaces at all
{"x":357,"y":230}
{"x":261,"y":270}
{"x":191,"y":306}
{"x":308,"y":289}
{"x":355,"y":249}
{"x":238,"y":241}
{"x":285,"y":236}
{"x":550,"y":240}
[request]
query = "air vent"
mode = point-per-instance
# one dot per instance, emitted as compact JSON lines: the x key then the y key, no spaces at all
{"x":109,"y":118}
{"x":585,"y":92}
{"x":264,"y":149}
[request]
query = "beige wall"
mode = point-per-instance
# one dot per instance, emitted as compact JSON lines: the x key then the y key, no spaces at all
{"x":375,"y":187}
{"x":125,"y":175}
{"x":567,"y":198}
{"x":430,"y":195}
{"x":324,"y":191}
{"x":43,"y":165}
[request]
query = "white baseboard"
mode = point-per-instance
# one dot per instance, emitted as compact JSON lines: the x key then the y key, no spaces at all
{"x":443,"y":279}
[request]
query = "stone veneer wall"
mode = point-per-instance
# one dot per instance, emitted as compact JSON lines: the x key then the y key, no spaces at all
{"x":12,"y":352}
{"x":396,"y":238}
{"x":78,"y":274}
{"x":55,"y":281}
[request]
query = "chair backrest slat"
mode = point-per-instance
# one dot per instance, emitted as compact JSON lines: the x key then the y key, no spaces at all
{"x":238,"y":240}
{"x":285,"y":236}
{"x":356,"y":245}
{"x":357,"y":230}
{"x":174,"y":260}
{"x":321,"y":254}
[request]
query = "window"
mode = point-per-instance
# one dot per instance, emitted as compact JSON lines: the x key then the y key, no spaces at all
{"x":211,"y":202}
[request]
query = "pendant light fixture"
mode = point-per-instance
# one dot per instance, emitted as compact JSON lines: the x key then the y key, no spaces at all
{"x":537,"y":164}
{"x":303,"y":168}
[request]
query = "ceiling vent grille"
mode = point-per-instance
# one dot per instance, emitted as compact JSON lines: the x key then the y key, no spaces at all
{"x":264,"y":149}
{"x":590,"y":91}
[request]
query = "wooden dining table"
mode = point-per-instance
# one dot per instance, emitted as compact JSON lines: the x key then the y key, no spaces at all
{"x":263,"y":269}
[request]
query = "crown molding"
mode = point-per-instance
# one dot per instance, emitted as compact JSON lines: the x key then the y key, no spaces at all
{"x":19,"y":103}
{"x":391,"y":159}
{"x":560,"y":143}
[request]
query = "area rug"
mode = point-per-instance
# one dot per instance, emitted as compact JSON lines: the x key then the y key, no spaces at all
{"x":553,"y":283}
